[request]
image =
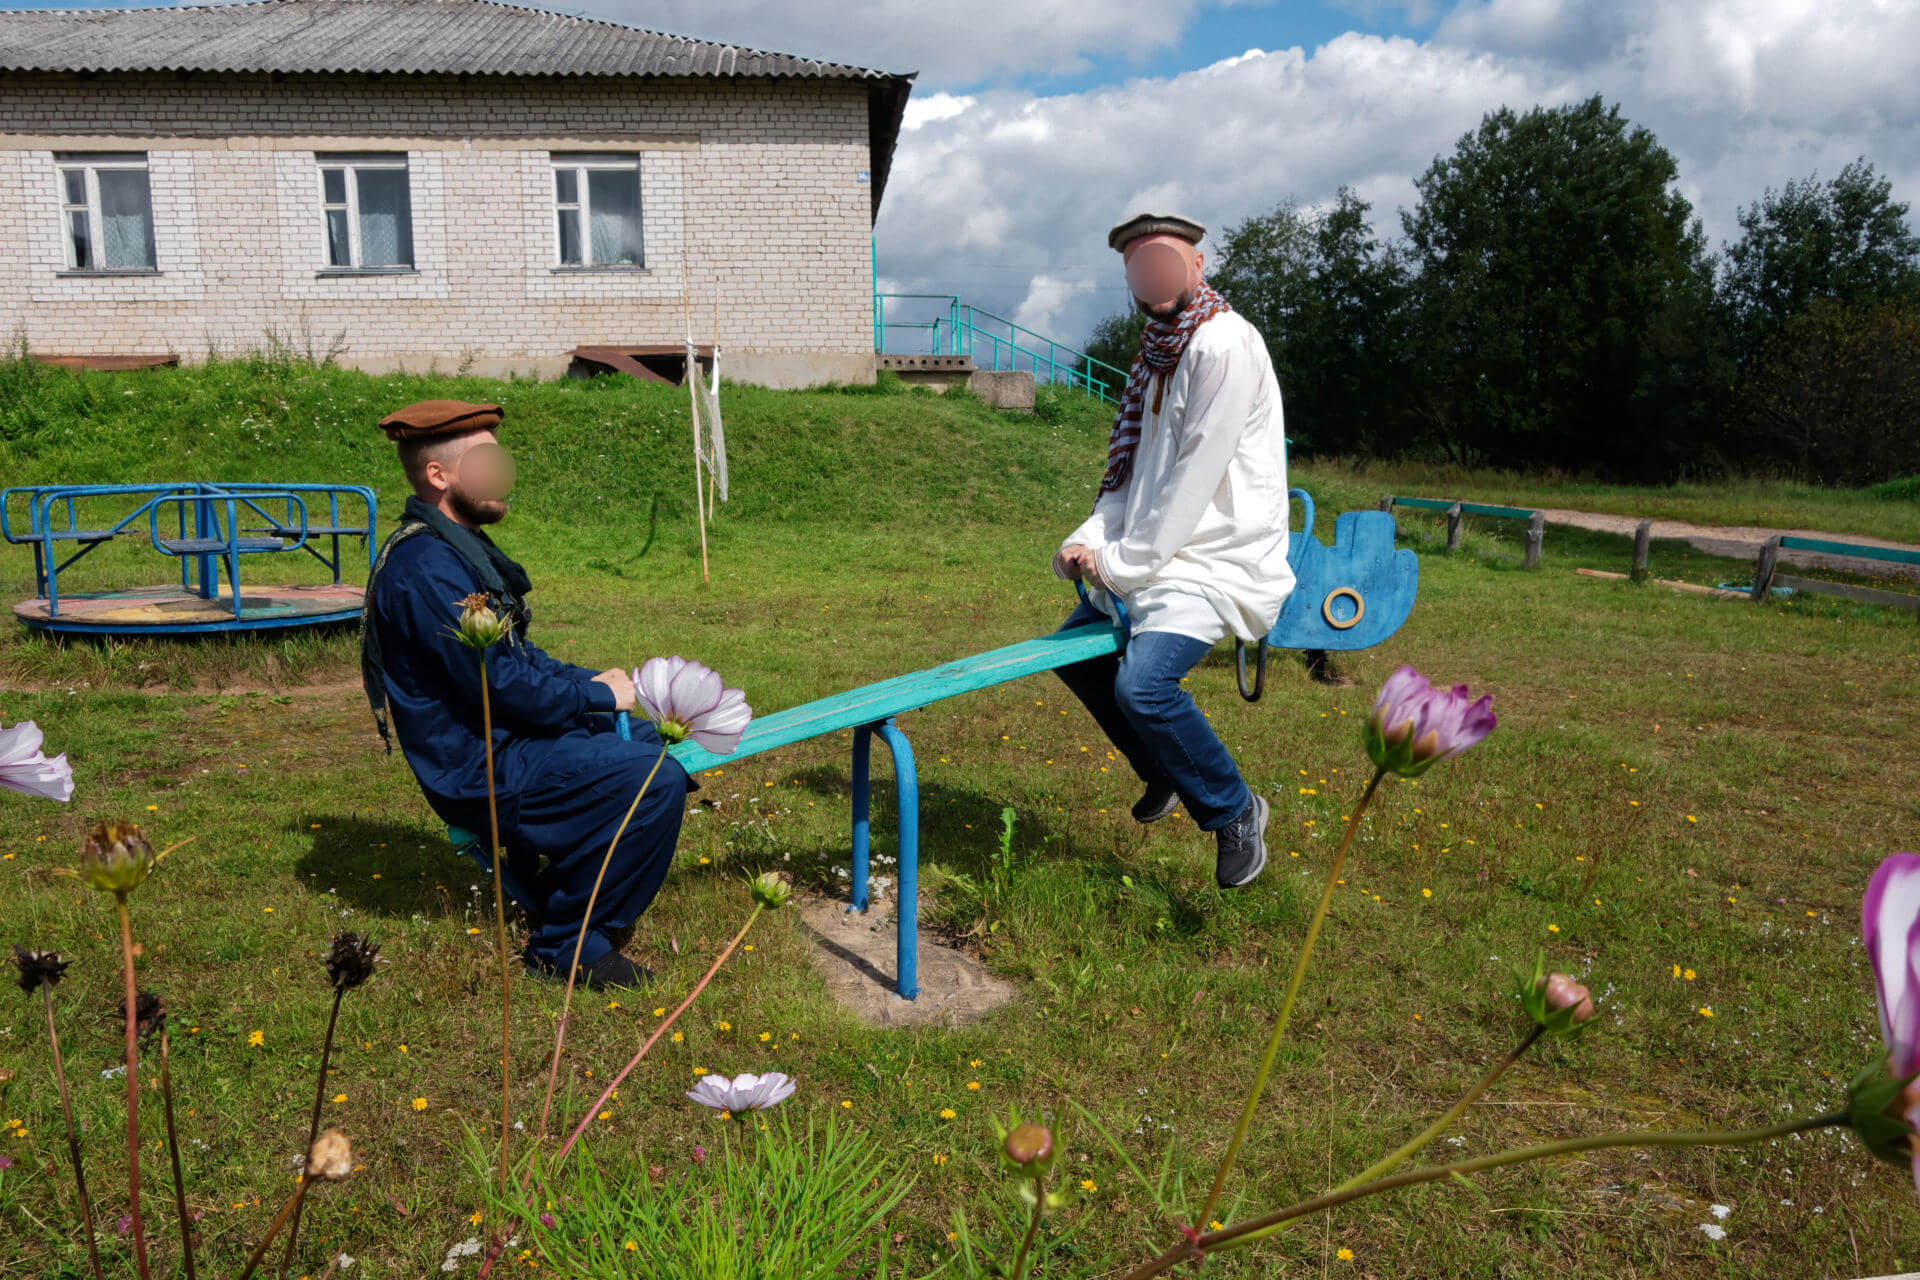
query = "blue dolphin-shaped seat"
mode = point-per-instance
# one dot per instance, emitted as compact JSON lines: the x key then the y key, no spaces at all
{"x":1351,"y":595}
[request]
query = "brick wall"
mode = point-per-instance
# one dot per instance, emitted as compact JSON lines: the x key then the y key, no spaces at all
{"x":754,"y":195}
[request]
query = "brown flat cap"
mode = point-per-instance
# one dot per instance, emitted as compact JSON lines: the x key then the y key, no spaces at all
{"x":439,"y":418}
{"x":1155,"y":224}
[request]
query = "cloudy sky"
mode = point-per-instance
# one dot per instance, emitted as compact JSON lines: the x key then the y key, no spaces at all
{"x":1036,"y":124}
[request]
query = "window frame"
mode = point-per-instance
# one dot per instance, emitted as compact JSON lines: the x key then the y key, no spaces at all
{"x":89,"y":164}
{"x":581,"y":164}
{"x":350,"y":163}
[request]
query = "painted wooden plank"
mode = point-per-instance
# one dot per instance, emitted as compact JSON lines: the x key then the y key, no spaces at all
{"x":1505,"y":513}
{"x":1847,"y":591}
{"x":875,"y":702}
{"x":1425,"y":504}
{"x":1857,"y":549}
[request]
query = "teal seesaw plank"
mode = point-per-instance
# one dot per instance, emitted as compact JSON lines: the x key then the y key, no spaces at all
{"x":1861,"y":550}
{"x":876,"y":702}
{"x":1483,"y":509}
{"x":1425,"y":504}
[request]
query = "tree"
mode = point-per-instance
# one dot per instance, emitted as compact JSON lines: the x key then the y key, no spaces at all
{"x":1563,"y":291}
{"x":1834,"y":396}
{"x":1116,"y":341}
{"x":1846,"y":239}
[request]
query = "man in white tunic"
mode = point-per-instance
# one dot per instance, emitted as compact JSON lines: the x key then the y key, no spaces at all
{"x":1187,"y":542}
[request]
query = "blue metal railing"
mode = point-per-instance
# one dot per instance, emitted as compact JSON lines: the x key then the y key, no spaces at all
{"x":993,"y":342}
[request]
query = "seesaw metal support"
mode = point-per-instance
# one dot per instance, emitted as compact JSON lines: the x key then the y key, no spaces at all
{"x":907,"y":884}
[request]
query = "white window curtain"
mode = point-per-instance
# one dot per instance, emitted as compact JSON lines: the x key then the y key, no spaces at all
{"x":367,"y":209}
{"x":597,"y":215}
{"x":107,"y":209}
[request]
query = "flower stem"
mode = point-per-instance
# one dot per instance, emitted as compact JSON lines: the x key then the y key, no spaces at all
{"x":500,"y":931}
{"x":573,"y":969}
{"x":659,"y":1031}
{"x":133,"y":1088}
{"x":293,"y":1202}
{"x":173,"y":1149}
{"x":1239,"y":1233}
{"x":313,"y":1126}
{"x":1033,"y":1226}
{"x":1286,"y":1004}
{"x":73,"y":1134}
{"x":1395,"y":1158}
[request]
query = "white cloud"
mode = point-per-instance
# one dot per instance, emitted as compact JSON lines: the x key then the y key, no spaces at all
{"x":1005,"y":196}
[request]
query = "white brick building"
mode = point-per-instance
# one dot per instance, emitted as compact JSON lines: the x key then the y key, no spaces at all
{"x":433,"y":181}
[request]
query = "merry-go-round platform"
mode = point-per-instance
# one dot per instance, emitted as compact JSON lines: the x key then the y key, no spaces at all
{"x":207,"y":528}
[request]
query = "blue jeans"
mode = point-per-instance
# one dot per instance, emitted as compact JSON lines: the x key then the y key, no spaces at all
{"x":1136,"y":699}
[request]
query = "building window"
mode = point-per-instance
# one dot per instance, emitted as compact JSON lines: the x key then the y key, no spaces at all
{"x":367,"y":210}
{"x":106,"y":210}
{"x":596,"y":209}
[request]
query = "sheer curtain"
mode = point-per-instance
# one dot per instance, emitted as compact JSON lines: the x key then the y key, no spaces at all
{"x":386,"y":220}
{"x":126,"y":218}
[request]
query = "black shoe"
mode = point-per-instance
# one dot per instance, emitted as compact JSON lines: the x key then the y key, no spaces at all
{"x":1159,"y":801}
{"x":1243,"y":847}
{"x":610,"y":970}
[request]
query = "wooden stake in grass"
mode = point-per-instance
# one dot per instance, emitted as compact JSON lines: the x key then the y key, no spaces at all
{"x":693,"y":410}
{"x":481,"y":628}
{"x":39,"y":971}
{"x":349,"y":963}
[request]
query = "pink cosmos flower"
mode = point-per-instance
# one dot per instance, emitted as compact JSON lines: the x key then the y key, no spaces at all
{"x":687,"y":700}
{"x":745,"y":1092}
{"x":26,"y":769}
{"x":1414,"y":725}
{"x":1890,"y":924}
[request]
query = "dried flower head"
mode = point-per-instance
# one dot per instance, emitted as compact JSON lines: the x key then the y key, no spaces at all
{"x":351,"y":960}
{"x":116,"y":857}
{"x":149,"y":1014}
{"x":479,"y":626}
{"x":38,"y":968}
{"x":330,"y":1158}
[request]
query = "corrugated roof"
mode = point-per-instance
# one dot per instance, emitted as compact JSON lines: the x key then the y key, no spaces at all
{"x":409,"y":37}
{"x":459,"y":37}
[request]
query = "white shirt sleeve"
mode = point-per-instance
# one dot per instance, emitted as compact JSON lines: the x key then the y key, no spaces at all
{"x":1101,"y":527}
{"x":1220,"y":395}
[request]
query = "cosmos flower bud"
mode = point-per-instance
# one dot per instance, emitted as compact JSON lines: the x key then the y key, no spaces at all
{"x":1555,"y":1001}
{"x":351,"y":960}
{"x":1029,"y":1149}
{"x":38,"y":968}
{"x":149,"y":1014}
{"x":771,"y":889}
{"x":1564,"y":993}
{"x":330,"y":1158}
{"x":479,"y":625}
{"x":116,"y":857}
{"x":1413,"y":725}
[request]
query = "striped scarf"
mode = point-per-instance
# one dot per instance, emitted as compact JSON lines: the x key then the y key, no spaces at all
{"x":1161,"y":345}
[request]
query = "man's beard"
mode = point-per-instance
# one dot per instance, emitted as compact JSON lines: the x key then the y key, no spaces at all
{"x":1167,"y":313}
{"x":476,"y":511}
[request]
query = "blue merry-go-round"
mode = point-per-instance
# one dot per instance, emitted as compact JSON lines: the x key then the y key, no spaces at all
{"x":207,"y":527}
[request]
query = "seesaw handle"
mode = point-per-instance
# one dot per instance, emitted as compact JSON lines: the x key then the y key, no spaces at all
{"x":623,"y":725}
{"x":1118,"y":606}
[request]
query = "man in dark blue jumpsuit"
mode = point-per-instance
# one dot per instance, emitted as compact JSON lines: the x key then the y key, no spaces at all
{"x":563,"y":776}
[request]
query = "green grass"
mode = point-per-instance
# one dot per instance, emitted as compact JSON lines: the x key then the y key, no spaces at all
{"x":1676,"y":781}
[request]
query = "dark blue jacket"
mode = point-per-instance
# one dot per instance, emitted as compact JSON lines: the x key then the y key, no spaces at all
{"x":433,"y":686}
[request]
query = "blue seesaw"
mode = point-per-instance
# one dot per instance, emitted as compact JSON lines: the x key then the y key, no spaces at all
{"x":1350,"y":595}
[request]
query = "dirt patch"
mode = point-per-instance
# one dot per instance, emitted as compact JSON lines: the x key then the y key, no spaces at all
{"x":854,"y":952}
{"x":1738,"y":541}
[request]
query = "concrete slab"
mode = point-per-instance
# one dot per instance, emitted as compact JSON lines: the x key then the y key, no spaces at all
{"x":854,"y":953}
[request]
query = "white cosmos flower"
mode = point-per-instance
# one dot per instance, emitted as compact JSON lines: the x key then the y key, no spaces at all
{"x":745,"y":1092}
{"x":685,"y":700}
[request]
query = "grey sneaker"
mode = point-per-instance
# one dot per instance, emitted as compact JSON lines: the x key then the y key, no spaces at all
{"x":1159,"y":801}
{"x":1243,"y":847}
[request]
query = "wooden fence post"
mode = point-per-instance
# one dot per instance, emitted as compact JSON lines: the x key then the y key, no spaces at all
{"x":1453,"y":527}
{"x":1763,"y":568}
{"x":1642,"y":543}
{"x":1386,"y":504}
{"x":1536,"y":534}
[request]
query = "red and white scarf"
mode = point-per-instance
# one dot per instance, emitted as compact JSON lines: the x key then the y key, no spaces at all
{"x":1162,"y":343}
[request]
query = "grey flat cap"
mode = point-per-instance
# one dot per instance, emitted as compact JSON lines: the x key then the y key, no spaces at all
{"x":1155,"y":224}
